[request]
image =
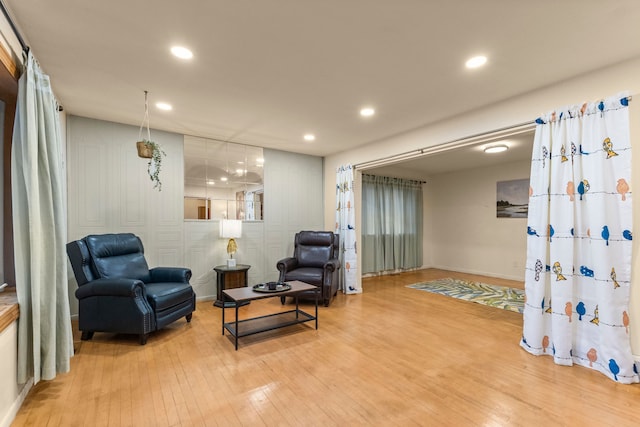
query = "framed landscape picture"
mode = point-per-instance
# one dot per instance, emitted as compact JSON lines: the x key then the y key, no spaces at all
{"x":512,"y":198}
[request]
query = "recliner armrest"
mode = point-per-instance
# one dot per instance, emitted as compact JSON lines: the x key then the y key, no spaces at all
{"x":170,"y":274}
{"x":332,"y":265}
{"x":111,"y":287}
{"x":287,"y":264}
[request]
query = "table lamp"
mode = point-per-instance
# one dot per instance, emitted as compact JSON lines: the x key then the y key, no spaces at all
{"x":231,"y":229}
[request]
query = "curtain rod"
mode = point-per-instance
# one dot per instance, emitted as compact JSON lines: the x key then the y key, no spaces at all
{"x":25,"y":48}
{"x":407,"y":179}
{"x":456,"y":143}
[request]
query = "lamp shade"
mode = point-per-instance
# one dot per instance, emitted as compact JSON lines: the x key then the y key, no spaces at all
{"x":230,"y":228}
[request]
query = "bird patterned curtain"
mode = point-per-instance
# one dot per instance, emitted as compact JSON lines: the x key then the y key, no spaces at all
{"x":346,"y":228}
{"x":578,"y":272}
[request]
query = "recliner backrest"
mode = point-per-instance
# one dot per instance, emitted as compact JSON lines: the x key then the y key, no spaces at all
{"x":118,"y":256}
{"x":314,"y":248}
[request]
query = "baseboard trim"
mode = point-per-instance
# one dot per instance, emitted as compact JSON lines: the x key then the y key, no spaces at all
{"x":17,"y":404}
{"x":479,"y":272}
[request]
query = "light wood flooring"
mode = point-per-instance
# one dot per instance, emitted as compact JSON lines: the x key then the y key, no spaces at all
{"x":392,"y":356}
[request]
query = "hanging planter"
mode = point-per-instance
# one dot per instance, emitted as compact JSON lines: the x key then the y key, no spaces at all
{"x":149,"y":149}
{"x":144,"y":150}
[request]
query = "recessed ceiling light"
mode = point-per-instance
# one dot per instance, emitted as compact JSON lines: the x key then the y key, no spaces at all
{"x":164,"y":106}
{"x":211,"y":182}
{"x":496,"y":148}
{"x":309,"y":137}
{"x":476,"y":61}
{"x":181,"y":52}
{"x":223,"y":179}
{"x":260,"y":160}
{"x":367,"y":112}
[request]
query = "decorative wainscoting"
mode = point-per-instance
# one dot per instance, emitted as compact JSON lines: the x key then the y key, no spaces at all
{"x":109,"y":191}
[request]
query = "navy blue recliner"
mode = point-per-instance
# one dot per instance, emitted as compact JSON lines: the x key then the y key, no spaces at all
{"x":118,"y":293}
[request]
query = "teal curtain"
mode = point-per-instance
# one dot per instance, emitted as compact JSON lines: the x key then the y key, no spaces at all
{"x":45,"y":341}
{"x":391,"y":224}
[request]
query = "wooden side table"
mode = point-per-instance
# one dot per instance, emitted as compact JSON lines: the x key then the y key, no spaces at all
{"x":229,"y":278}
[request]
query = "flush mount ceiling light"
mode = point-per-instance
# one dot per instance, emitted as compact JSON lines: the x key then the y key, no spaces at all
{"x":367,"y":112}
{"x":476,"y":61}
{"x":309,"y":137}
{"x":181,"y":52}
{"x":164,"y":106}
{"x":499,"y":148}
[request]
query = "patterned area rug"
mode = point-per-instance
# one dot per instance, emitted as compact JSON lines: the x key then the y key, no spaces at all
{"x":495,"y":296}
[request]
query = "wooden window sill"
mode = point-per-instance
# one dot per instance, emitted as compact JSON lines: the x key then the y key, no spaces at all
{"x":9,"y":309}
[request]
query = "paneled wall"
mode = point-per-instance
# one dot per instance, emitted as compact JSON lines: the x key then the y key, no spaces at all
{"x":109,"y":191}
{"x":293,"y":202}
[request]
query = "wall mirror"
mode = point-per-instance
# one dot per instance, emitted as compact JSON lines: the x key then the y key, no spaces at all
{"x":222,"y":180}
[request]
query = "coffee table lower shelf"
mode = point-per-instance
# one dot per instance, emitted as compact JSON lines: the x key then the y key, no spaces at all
{"x":255,"y":325}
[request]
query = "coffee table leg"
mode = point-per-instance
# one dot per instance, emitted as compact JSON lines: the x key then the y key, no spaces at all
{"x":317,"y":309}
{"x":223,"y":298}
{"x":237,"y":332}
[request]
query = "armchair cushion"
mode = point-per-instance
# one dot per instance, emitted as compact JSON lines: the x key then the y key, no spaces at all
{"x":310,"y":275}
{"x":118,"y":255}
{"x":162,"y":296}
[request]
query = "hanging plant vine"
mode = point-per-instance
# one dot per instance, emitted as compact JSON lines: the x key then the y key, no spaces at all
{"x":150,"y":149}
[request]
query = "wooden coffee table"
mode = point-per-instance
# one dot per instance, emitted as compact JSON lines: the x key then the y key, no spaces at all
{"x":242,"y":328}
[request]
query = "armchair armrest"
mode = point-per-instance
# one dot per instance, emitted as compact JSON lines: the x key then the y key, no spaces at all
{"x":170,"y":274}
{"x":111,"y":287}
{"x":332,"y":265}
{"x":287,"y":264}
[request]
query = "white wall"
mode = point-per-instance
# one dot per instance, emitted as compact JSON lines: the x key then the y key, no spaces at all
{"x":11,"y":394}
{"x":521,"y":109}
{"x":465,"y":231}
{"x":8,"y":370}
{"x":110,"y":191}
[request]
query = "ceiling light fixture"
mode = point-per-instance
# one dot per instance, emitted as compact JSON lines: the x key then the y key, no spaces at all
{"x":496,"y":148}
{"x":476,"y":61}
{"x":181,"y":52}
{"x":164,"y":106}
{"x":367,"y":112}
{"x":309,"y":137}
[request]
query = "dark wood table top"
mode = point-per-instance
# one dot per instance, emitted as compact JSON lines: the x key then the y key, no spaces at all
{"x":248,"y":294}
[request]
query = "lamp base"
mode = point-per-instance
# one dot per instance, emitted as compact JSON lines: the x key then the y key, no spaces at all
{"x":231,"y":262}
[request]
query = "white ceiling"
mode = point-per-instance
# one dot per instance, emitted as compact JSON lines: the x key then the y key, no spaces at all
{"x":266,"y":72}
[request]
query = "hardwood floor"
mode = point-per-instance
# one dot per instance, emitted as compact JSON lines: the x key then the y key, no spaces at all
{"x":390,"y":356}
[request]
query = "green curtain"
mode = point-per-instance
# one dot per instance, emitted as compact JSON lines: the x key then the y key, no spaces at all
{"x":45,"y":341}
{"x":391,"y":224}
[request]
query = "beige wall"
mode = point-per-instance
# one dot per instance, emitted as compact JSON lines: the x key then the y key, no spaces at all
{"x":525,"y":108}
{"x":466,"y":234}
